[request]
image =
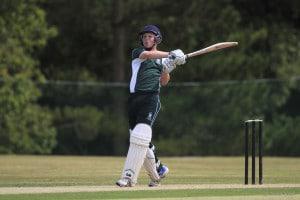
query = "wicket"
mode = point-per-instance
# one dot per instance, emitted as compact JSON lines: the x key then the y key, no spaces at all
{"x":253,"y":148}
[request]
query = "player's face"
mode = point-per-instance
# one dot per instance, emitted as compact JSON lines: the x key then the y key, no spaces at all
{"x":148,"y":40}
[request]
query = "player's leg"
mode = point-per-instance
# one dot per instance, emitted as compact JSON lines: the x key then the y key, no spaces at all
{"x":139,"y":144}
{"x":152,"y":164}
{"x":147,"y":114}
{"x":158,"y":168}
{"x":139,"y":134}
{"x":161,"y":168}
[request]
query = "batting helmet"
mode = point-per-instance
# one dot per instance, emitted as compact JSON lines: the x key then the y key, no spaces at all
{"x":151,"y":29}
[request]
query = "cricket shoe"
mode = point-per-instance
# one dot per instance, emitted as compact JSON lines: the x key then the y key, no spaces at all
{"x":162,"y":172}
{"x":124,"y":182}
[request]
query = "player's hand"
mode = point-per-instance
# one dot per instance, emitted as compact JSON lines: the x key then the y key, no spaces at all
{"x":168,"y":65}
{"x":178,"y":57}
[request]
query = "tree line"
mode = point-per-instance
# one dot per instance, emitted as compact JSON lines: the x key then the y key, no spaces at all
{"x":91,"y":42}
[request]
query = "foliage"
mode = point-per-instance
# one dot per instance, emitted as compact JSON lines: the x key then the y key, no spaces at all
{"x":25,"y":127}
{"x":214,"y":121}
{"x":282,"y":138}
{"x":93,"y":42}
{"x":87,"y":40}
{"x":76,"y":127}
{"x":202,"y":120}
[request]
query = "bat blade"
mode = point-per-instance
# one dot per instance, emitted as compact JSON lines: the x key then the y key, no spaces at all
{"x":211,"y":48}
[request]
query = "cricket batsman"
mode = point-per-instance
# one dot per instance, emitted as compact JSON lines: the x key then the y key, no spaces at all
{"x":150,"y":70}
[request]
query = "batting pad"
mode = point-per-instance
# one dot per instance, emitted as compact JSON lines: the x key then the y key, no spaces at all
{"x":150,"y":165}
{"x":139,"y":144}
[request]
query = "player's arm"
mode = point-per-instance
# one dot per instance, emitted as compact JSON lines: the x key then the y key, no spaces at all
{"x":176,"y":55}
{"x":164,"y":78}
{"x":153,"y":54}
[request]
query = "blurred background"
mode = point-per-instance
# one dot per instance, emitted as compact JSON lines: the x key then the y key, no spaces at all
{"x":65,"y":68}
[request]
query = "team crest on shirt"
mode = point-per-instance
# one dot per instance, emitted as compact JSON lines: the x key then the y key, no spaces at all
{"x":149,"y":117}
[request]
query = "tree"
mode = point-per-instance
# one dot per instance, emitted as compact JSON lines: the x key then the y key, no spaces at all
{"x":25,"y":127}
